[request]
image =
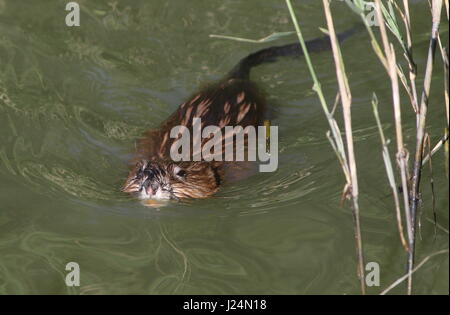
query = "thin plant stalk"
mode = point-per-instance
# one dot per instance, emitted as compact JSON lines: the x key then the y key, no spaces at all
{"x":336,"y":140}
{"x":359,"y":4}
{"x":417,"y":167}
{"x":401,"y":152}
{"x":407,"y":48}
{"x":318,"y":89}
{"x":436,"y":148}
{"x":346,"y":100}
{"x":412,"y":65}
{"x":390,"y":173}
{"x":403,"y":278}
{"x":444,"y":54}
{"x":446,"y":8}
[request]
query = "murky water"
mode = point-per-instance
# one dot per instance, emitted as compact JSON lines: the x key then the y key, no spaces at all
{"x":73,"y":101}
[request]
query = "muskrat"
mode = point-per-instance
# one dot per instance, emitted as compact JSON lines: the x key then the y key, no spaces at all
{"x":233,"y":101}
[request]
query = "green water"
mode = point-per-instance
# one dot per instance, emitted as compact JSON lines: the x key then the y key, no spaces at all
{"x":73,"y":101}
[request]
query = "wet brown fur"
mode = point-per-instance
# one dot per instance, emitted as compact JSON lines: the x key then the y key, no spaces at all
{"x":232,"y":102}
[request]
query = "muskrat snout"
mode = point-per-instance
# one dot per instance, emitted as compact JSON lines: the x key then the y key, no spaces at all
{"x":148,"y":181}
{"x":150,"y":186}
{"x":164,"y":180}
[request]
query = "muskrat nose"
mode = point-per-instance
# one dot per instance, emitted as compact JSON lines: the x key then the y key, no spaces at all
{"x":150,"y":187}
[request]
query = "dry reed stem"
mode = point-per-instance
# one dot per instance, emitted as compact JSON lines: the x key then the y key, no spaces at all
{"x":436,"y":148}
{"x":401,"y":153}
{"x":417,"y":168}
{"x":403,"y":278}
{"x":390,"y":174}
{"x":346,"y":100}
{"x":409,"y":57}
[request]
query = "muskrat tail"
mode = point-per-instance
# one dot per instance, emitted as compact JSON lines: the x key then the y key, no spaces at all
{"x":270,"y":54}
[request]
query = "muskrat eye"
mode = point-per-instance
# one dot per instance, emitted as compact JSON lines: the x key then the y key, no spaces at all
{"x":179,"y":172}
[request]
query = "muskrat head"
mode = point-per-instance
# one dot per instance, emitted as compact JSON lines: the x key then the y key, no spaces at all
{"x":162,"y":180}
